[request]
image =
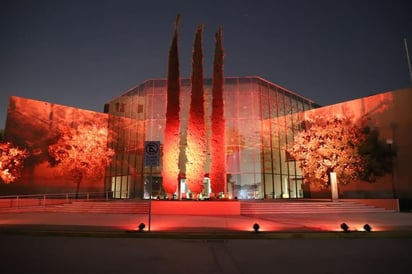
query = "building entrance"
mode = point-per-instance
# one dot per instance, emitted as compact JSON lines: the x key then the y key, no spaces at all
{"x":120,"y":187}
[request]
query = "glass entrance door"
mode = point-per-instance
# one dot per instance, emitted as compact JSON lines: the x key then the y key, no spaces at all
{"x":120,"y":187}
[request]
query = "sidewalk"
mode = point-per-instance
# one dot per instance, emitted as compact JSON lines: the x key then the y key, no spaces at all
{"x":183,"y":225}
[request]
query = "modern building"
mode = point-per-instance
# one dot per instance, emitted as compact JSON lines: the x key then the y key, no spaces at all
{"x":261,"y":119}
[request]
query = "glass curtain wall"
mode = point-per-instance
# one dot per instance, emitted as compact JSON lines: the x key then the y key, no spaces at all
{"x":261,"y":120}
{"x":282,"y":114}
{"x":133,"y":118}
{"x":243,"y":138}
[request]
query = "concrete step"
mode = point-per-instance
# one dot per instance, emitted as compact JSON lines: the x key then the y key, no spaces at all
{"x":103,"y":207}
{"x":246,"y":207}
{"x":254,"y":208}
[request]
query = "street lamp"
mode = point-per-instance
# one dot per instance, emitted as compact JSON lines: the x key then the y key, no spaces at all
{"x":389,"y":142}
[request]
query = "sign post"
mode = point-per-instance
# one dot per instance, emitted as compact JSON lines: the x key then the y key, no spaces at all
{"x":151,"y":158}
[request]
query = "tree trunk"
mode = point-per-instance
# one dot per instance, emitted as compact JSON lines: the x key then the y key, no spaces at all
{"x":78,"y":181}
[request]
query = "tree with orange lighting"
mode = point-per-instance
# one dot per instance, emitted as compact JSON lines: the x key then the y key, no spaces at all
{"x":196,"y":133}
{"x":82,"y":152}
{"x":329,"y":144}
{"x":11,"y":162}
{"x":217,"y":142}
{"x":171,"y":146}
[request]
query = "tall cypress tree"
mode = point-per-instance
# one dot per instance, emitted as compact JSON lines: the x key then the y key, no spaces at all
{"x":171,"y":147}
{"x":217,"y":149}
{"x":196,"y":141}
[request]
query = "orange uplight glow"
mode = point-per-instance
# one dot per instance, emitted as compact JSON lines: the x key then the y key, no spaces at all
{"x":164,"y":223}
{"x":358,"y":227}
{"x":170,"y":171}
{"x":195,"y":153}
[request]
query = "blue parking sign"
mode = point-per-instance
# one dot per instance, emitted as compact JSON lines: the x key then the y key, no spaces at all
{"x":152,"y":153}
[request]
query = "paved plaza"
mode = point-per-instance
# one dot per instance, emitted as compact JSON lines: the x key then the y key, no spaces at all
{"x":40,"y":242}
{"x":186,"y":224}
{"x":45,"y":254}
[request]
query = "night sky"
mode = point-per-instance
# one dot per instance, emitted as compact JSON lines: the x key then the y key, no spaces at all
{"x":83,"y":53}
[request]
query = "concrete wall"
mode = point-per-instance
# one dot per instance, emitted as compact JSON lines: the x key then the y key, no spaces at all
{"x":33,"y":125}
{"x":391,"y":114}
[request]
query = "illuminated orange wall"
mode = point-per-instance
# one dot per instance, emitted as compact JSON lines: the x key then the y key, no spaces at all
{"x":33,"y":125}
{"x":252,"y":137}
{"x":391,"y":113}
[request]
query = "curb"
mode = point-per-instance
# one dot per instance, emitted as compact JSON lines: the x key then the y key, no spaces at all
{"x":206,"y":235}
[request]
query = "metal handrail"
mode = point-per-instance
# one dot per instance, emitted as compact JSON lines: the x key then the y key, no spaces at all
{"x":29,"y":200}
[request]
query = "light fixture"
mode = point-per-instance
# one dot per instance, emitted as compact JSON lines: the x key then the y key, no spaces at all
{"x":344,"y":227}
{"x":367,"y":228}
{"x":256,"y":227}
{"x":141,"y":227}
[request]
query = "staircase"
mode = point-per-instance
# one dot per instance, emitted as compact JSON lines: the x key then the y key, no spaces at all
{"x":255,"y":207}
{"x":258,"y":208}
{"x":104,"y":207}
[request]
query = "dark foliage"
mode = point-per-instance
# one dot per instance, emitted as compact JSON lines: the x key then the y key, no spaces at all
{"x":377,"y":155}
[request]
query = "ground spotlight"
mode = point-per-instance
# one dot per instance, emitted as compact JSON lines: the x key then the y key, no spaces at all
{"x":141,"y":227}
{"x":367,"y":228}
{"x":256,"y":227}
{"x":344,"y":227}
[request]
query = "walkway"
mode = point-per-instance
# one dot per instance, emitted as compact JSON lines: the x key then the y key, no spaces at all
{"x":93,"y":222}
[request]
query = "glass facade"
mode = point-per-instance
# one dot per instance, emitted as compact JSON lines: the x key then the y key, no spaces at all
{"x":260,"y":121}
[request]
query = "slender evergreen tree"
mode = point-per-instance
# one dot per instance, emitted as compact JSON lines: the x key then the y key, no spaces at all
{"x":171,"y":146}
{"x":217,"y":149}
{"x":196,"y":141}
